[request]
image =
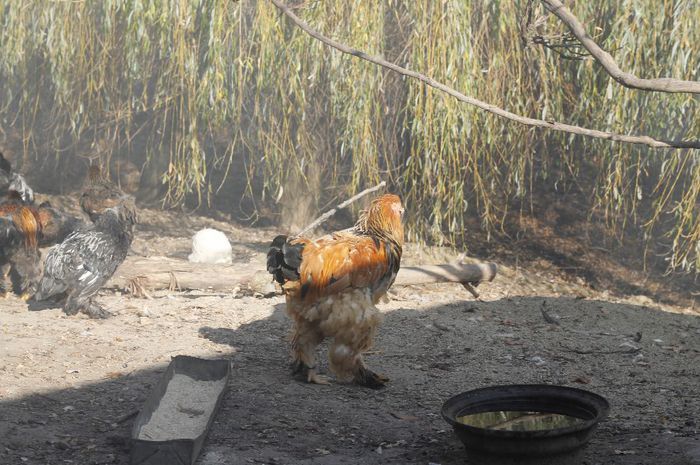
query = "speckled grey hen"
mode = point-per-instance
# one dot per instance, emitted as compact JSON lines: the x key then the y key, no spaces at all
{"x":80,"y":265}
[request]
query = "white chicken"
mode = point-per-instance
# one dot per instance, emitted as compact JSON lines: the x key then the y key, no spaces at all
{"x":210,"y":246}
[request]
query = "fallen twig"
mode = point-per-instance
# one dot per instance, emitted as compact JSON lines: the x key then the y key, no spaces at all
{"x":332,"y":212}
{"x":137,"y":287}
{"x":126,"y":416}
{"x":593,"y":351}
{"x":173,"y":285}
{"x":44,"y":396}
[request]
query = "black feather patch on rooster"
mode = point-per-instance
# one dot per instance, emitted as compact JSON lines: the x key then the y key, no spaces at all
{"x":12,"y":183}
{"x":5,"y":165}
{"x":19,"y":184}
{"x":284,"y":259}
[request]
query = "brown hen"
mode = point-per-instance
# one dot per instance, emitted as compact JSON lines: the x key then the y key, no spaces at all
{"x":99,"y":193}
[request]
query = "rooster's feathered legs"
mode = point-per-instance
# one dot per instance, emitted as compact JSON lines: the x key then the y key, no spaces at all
{"x":347,"y":362}
{"x":345,"y":354}
{"x":305,"y":338}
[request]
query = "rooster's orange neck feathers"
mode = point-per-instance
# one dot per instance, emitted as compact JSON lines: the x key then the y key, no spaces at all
{"x":383,"y":218}
{"x":25,"y":221}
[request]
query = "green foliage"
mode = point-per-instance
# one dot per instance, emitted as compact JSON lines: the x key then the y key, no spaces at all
{"x":207,"y":83}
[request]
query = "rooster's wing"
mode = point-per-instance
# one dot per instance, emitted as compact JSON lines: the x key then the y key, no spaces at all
{"x":335,"y":263}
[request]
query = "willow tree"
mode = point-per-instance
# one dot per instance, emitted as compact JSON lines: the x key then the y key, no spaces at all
{"x":204,"y":93}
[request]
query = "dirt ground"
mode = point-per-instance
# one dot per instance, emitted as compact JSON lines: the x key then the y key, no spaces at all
{"x":70,"y":386}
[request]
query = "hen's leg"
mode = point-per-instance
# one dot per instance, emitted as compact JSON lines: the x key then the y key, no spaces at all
{"x":305,"y":338}
{"x":79,"y":303}
{"x":86,"y":294}
{"x":72,"y":305}
{"x":25,"y":272}
{"x":94,"y":310}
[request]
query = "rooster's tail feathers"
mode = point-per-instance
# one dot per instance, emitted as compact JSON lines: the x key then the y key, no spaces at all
{"x":284,"y":259}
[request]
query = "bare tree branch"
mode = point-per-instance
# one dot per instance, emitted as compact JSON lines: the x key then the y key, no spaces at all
{"x":565,"y":45}
{"x":607,"y":61}
{"x":645,"y":140}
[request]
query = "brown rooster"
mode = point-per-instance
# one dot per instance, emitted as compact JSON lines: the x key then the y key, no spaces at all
{"x":54,"y":225}
{"x":19,"y":254}
{"x":24,"y":228}
{"x":331,"y":286}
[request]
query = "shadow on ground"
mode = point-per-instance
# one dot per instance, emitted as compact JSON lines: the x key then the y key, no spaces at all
{"x":643,"y":360}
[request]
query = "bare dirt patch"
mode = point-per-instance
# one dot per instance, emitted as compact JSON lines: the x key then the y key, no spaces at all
{"x":70,"y":386}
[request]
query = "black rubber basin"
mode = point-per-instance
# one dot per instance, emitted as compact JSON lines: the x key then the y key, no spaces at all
{"x":585,"y":408}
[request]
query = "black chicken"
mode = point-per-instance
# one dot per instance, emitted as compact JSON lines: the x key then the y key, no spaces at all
{"x":80,"y":265}
{"x":5,"y":173}
{"x":11,"y":182}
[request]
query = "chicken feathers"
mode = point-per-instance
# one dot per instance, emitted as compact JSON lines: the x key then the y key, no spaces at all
{"x":55,"y":224}
{"x":24,"y":228}
{"x":99,"y":193}
{"x":330,"y":265}
{"x":80,"y":265}
{"x":19,"y":256}
{"x":11,"y":182}
{"x":332,"y":284}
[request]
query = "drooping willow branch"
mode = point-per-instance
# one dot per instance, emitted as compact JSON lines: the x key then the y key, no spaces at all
{"x":606,"y":60}
{"x":645,"y":140}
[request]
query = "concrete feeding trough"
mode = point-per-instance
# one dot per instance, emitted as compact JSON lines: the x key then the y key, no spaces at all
{"x":176,"y":417}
